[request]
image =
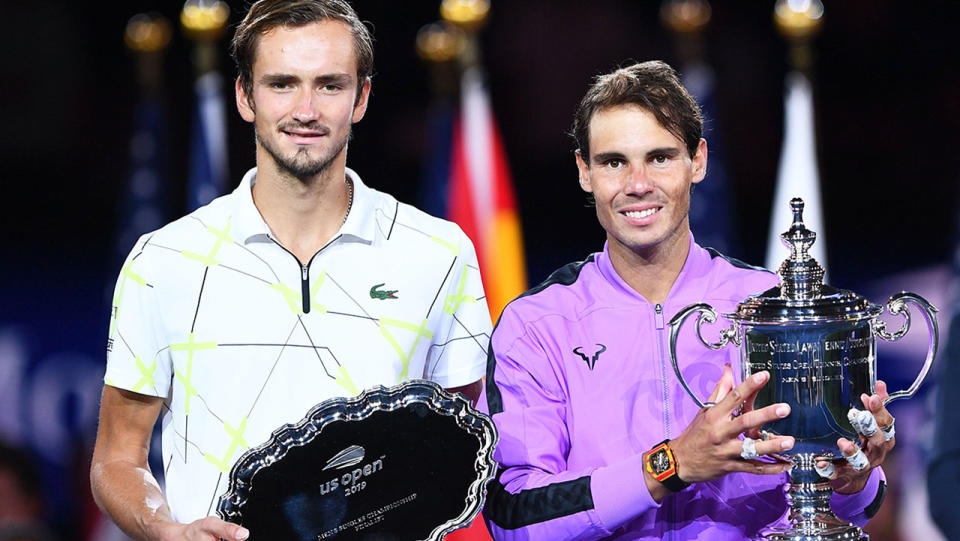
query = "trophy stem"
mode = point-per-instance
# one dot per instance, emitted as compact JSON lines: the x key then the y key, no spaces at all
{"x":810,"y":516}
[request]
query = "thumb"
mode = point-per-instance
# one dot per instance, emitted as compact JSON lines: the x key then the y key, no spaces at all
{"x":224,"y":530}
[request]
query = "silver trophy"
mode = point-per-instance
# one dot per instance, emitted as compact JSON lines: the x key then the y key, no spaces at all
{"x":819,"y":345}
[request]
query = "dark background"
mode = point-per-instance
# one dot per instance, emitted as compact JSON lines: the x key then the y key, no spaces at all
{"x":886,"y":88}
{"x":887,"y":93}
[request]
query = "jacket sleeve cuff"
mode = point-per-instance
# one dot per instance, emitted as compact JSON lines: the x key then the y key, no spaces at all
{"x":620,"y":492}
{"x":858,"y":508}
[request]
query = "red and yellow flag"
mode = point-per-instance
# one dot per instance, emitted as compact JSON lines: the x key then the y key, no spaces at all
{"x":481,"y":197}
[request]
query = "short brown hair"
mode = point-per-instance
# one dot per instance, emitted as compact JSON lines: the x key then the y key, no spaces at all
{"x":266,"y":15}
{"x":652,"y":85}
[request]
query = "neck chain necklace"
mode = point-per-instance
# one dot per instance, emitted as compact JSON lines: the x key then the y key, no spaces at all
{"x":349,"y":204}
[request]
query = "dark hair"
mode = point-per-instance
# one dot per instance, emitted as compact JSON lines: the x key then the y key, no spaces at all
{"x":266,"y":15}
{"x":653,"y":85}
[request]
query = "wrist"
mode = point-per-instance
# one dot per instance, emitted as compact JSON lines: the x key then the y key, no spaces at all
{"x":661,"y":464}
{"x":159,"y":529}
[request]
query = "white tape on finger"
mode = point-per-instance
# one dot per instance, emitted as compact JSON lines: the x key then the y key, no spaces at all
{"x":889,"y":431}
{"x":858,"y":461}
{"x":749,"y":449}
{"x":863,"y":421}
{"x":827,"y":471}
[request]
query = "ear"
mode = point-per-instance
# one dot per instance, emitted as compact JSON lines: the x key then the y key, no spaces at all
{"x":361,"y":107}
{"x":584,"y":170}
{"x":699,"y":164}
{"x":243,"y":102}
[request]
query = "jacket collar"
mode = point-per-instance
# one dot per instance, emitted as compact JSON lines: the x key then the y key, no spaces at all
{"x":690,"y":283}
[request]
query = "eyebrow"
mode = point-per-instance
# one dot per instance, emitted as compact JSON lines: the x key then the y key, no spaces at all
{"x":607,"y":156}
{"x":670,"y":152}
{"x":283,"y":78}
{"x":603,"y":157}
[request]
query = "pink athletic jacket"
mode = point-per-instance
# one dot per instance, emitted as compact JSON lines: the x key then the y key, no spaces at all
{"x":580,"y":385}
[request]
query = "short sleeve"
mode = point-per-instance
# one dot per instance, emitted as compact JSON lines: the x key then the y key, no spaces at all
{"x":137,"y":358}
{"x":458,"y":354}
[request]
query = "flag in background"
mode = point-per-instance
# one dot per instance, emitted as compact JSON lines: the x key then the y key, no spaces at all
{"x":711,"y":214}
{"x":207,"y":176}
{"x":797,"y":175}
{"x":480,"y":195}
{"x":436,"y":176}
{"x":144,"y":207}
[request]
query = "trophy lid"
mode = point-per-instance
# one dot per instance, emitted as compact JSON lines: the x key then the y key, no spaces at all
{"x":802,"y":296}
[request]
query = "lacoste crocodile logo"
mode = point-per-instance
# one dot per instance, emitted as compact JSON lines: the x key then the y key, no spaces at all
{"x":376,"y":293}
{"x":592,"y":361}
{"x":346,"y":458}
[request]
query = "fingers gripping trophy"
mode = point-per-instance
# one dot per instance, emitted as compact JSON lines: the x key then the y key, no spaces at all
{"x":818,"y":344}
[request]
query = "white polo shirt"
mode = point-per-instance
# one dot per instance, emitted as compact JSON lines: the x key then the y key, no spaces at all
{"x":213,"y":315}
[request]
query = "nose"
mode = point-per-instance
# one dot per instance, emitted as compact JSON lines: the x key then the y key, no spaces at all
{"x":638,"y":182}
{"x":305,"y":110}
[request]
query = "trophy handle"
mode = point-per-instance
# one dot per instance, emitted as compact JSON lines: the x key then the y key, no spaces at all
{"x":707,"y":314}
{"x":897,"y":305}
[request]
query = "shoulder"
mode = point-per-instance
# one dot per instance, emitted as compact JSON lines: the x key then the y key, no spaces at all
{"x":733,"y":277}
{"x":405,"y":225}
{"x":565,"y":294}
{"x":190,"y":233}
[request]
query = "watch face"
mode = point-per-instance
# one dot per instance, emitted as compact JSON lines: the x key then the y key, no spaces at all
{"x":660,"y":462}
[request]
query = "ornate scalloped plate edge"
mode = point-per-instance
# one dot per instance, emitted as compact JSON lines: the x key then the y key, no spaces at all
{"x":378,"y":398}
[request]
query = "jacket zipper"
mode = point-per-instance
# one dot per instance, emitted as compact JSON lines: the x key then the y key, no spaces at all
{"x":658,"y":323}
{"x":658,"y":318}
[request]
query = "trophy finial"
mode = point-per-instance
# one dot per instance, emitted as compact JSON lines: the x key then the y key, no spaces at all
{"x":797,"y":205}
{"x":801,"y":274}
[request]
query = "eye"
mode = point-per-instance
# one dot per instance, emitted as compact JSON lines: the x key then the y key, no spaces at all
{"x":331,"y":87}
{"x":660,"y":159}
{"x":279,"y":85}
{"x":615,"y":163}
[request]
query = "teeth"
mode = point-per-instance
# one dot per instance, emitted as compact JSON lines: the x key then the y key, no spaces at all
{"x":641,"y":214}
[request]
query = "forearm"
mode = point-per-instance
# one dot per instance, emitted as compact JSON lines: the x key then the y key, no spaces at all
{"x":131,"y":496}
{"x":589,"y":504}
{"x":856,"y":507}
{"x":558,"y":511}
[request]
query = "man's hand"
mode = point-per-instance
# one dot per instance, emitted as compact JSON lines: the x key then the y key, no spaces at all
{"x":847,"y":480}
{"x":710,"y":448}
{"x":205,"y":529}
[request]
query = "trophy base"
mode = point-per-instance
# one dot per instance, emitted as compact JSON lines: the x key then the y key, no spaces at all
{"x":810,"y":516}
{"x":828,"y":527}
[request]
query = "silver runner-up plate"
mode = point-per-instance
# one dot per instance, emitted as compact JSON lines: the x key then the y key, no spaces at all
{"x":403,"y":463}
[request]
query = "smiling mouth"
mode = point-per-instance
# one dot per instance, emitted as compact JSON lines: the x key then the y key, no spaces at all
{"x":637,"y":214}
{"x":303,"y":134}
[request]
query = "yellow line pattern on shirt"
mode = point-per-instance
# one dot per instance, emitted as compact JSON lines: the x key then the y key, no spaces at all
{"x":189,"y":346}
{"x":420,"y":330}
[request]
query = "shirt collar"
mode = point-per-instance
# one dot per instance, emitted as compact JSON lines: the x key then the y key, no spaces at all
{"x":361,"y":221}
{"x":248,"y":224}
{"x":246,"y":220}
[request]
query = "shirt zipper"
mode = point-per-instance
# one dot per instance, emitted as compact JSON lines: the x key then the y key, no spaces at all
{"x":305,"y":271}
{"x":305,"y":286}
